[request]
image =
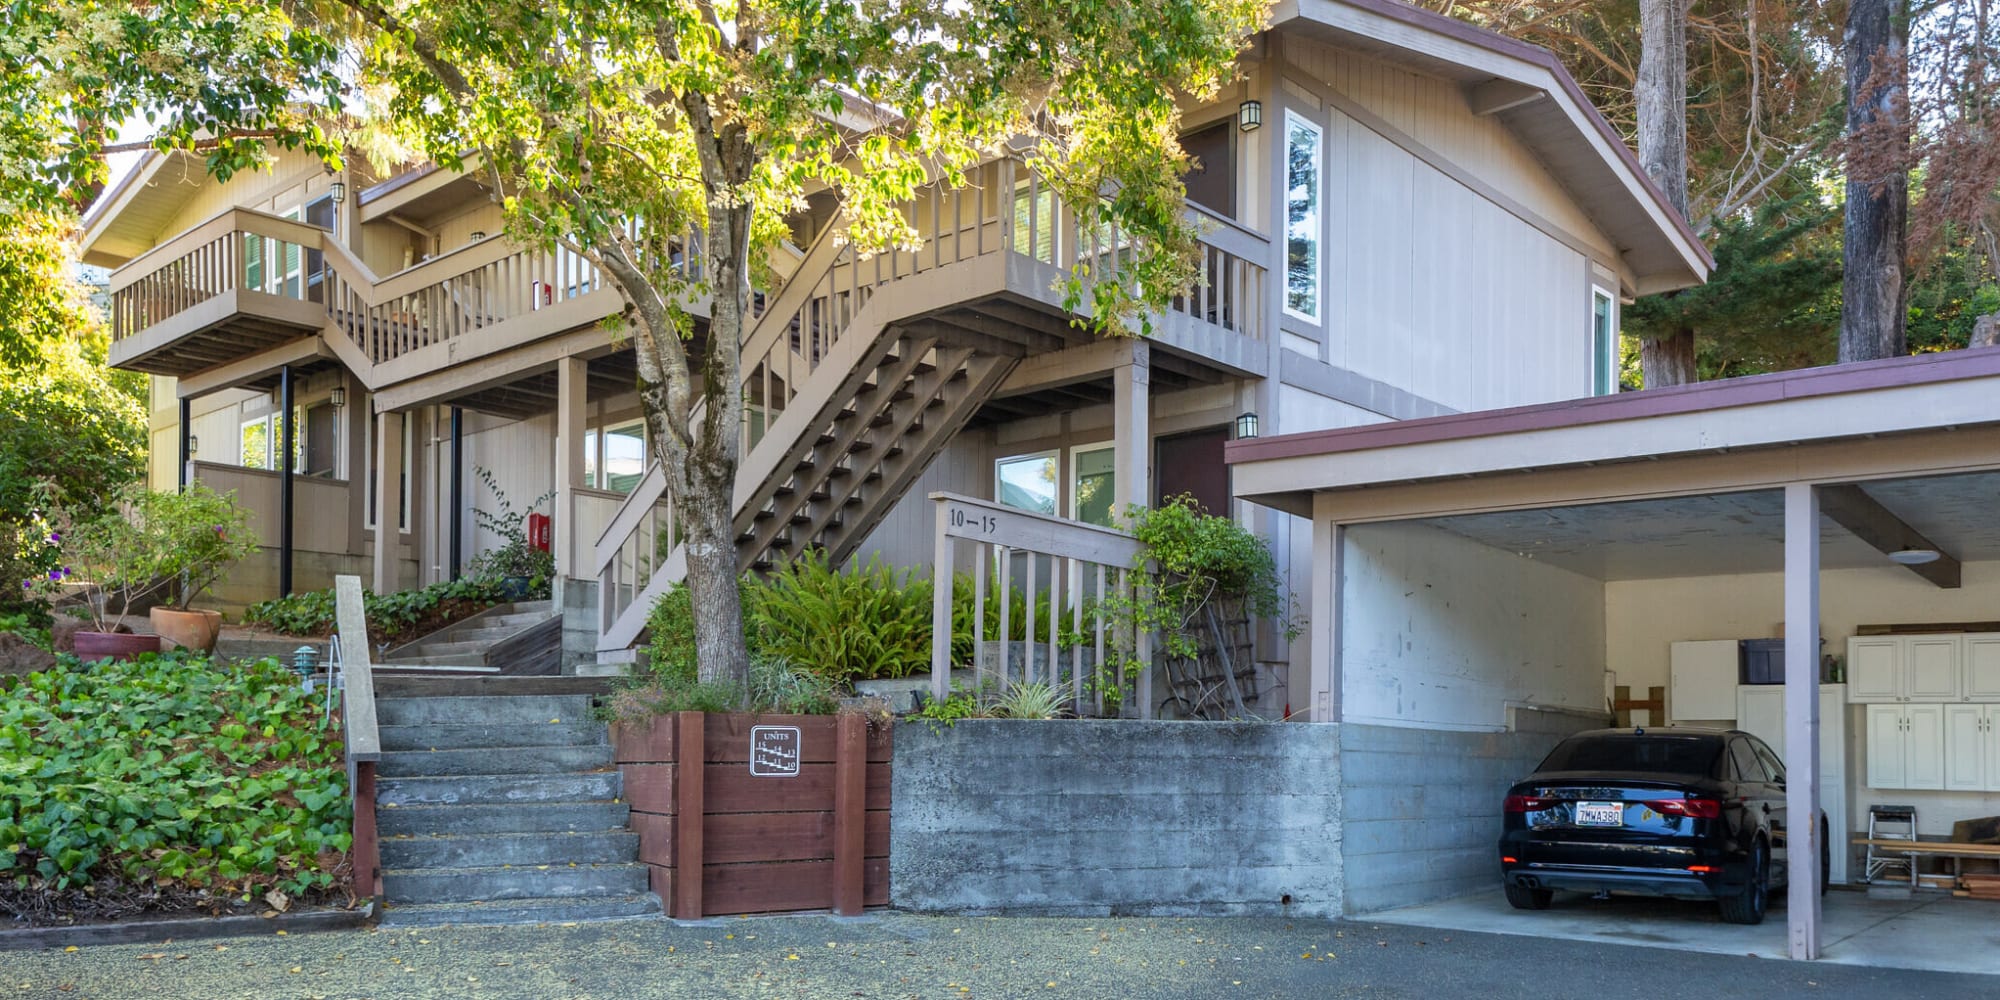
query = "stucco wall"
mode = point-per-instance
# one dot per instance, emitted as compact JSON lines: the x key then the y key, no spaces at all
{"x":1440,"y":631}
{"x":1117,"y":817}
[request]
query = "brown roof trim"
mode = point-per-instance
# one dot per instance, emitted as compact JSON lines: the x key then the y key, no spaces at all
{"x":1860,"y":376}
{"x":1493,"y":41}
{"x":403,"y":179}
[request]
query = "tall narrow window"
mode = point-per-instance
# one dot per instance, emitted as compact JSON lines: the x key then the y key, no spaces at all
{"x":624,"y":456}
{"x":256,"y":452}
{"x":1302,"y":229}
{"x":1603,"y":343}
{"x":1027,"y":482}
{"x":1093,"y":484}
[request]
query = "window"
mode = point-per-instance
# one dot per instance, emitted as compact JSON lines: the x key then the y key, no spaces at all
{"x":1302,"y":228}
{"x":1035,"y":231}
{"x":590,"y":463}
{"x":1603,"y":343}
{"x":1771,"y":762}
{"x":624,"y":456}
{"x":256,"y":452}
{"x":1748,"y":767}
{"x":1094,"y":484}
{"x":1027,"y":482}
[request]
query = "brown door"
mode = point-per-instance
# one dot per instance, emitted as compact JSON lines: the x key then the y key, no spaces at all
{"x":1211,"y":180}
{"x":1192,"y":463}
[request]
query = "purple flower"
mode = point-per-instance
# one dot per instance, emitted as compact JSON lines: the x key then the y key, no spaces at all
{"x":55,"y":537}
{"x":27,"y":584}
{"x":55,"y":576}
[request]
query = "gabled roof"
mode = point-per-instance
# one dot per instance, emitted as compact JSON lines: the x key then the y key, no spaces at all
{"x":1538,"y":100}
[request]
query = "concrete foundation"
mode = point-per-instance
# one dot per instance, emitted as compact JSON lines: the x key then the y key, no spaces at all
{"x":1117,"y":817}
{"x":577,"y":599}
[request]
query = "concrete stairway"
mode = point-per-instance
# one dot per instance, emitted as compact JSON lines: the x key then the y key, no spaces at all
{"x":520,"y":638}
{"x":502,"y":808}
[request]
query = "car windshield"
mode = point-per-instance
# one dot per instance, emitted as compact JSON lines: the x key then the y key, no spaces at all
{"x":1660,"y":754}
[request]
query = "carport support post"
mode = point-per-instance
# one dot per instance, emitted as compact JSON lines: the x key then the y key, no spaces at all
{"x":1802,"y":802}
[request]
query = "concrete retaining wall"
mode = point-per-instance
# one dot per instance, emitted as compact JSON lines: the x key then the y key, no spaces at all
{"x":1117,"y":817}
{"x":1422,"y":806}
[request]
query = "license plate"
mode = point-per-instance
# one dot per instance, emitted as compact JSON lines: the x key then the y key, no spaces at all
{"x":1600,"y":814}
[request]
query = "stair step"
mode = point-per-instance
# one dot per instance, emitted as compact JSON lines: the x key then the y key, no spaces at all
{"x":482,"y":709}
{"x":517,"y":760}
{"x":539,"y":817}
{"x":525,"y":911}
{"x":546,"y":732}
{"x":483,"y":850}
{"x":464,"y":885}
{"x":450,"y":664}
{"x":498,"y":789}
{"x":453,"y":648}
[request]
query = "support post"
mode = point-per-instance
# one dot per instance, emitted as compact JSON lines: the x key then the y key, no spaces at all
{"x":187,"y":453}
{"x":1132,"y":437}
{"x":690,"y":757}
{"x":1323,"y":624}
{"x":850,"y":817}
{"x":286,"y":487}
{"x":941,"y":577}
{"x":457,"y":492}
{"x":1803,"y":836}
{"x":388,"y":499}
{"x":572,"y":396}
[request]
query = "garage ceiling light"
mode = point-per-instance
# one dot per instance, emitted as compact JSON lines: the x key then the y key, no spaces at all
{"x":1914,"y":557}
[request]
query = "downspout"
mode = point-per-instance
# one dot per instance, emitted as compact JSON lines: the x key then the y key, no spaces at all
{"x":285,"y":487}
{"x":187,"y":452}
{"x":457,"y":489}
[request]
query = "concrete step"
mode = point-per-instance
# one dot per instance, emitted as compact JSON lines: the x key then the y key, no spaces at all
{"x":516,"y":760}
{"x":539,"y":817}
{"x":545,"y":733}
{"x":452,"y":687}
{"x":526,"y":911}
{"x":498,"y":789}
{"x":458,"y":664}
{"x":464,"y":885}
{"x":481,"y":850}
{"x":483,"y":710}
{"x":470,"y":650}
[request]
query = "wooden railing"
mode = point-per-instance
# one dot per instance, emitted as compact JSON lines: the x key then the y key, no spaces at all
{"x":1075,"y":567}
{"x":359,"y":731}
{"x":238,"y":250}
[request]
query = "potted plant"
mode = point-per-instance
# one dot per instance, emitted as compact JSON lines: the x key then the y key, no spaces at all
{"x":519,"y":568}
{"x":196,"y":535}
{"x":109,"y":562}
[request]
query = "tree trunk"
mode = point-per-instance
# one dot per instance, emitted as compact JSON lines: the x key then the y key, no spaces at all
{"x":1873,"y":308}
{"x":1661,"y":92}
{"x":1668,"y":360}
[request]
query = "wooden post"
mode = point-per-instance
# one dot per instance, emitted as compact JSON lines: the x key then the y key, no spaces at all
{"x":690,"y":757}
{"x":572,"y":398}
{"x":1132,"y":480}
{"x":367,"y":843}
{"x":850,"y":816}
{"x":1803,"y":839}
{"x":941,"y":607}
{"x":388,"y":501}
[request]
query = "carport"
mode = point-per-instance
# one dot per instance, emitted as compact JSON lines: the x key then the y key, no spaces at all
{"x":1479,"y":581}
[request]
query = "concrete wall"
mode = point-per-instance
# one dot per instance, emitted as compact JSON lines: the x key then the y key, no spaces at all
{"x":1437,"y":630}
{"x":1421,"y":807}
{"x":1117,"y":817}
{"x":1646,"y":616}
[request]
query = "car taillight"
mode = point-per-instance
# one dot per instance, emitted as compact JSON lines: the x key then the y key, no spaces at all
{"x":1692,"y":808}
{"x":1526,"y":803}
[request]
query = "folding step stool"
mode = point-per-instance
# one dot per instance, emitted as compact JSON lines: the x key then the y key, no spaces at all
{"x":1887,"y":822}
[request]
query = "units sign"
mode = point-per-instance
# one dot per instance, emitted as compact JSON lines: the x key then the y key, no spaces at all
{"x":774,"y":751}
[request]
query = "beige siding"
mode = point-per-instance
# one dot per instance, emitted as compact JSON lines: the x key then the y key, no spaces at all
{"x":286,"y":184}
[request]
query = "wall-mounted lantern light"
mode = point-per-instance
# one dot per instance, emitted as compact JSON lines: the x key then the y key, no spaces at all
{"x":1250,"y":116}
{"x":194,"y":444}
{"x":338,"y":397}
{"x":1246,"y":426}
{"x":478,"y":235}
{"x":338,"y":192}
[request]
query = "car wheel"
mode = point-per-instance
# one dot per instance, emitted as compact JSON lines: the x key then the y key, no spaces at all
{"x":1747,"y":906}
{"x":1523,"y":898}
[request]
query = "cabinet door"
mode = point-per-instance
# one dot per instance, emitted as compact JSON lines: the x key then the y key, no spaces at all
{"x":1888,"y":757}
{"x":1982,"y":666}
{"x":1965,"y":748}
{"x":1832,"y":734}
{"x":1760,"y":711}
{"x":1703,"y":680}
{"x":1930,"y":668}
{"x":1873,"y":664}
{"x":1991,"y":745}
{"x":1923,"y":741}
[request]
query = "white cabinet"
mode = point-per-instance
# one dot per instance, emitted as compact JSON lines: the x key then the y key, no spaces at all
{"x":1760,"y":710}
{"x":1703,"y":680}
{"x":1972,"y":748}
{"x":1907,"y":668}
{"x":1982,"y":666}
{"x":1906,"y":746}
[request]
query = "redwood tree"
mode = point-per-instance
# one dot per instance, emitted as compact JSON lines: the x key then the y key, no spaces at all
{"x":1872,"y":295}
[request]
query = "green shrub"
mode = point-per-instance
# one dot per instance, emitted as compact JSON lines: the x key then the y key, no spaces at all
{"x":775,"y":686}
{"x":845,"y":625}
{"x":28,"y":625}
{"x":391,"y":617}
{"x":171,"y":771}
{"x":515,"y":557}
{"x":1029,"y":701}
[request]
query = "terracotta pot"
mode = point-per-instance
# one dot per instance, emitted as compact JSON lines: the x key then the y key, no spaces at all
{"x":94,"y":646}
{"x":196,"y":630}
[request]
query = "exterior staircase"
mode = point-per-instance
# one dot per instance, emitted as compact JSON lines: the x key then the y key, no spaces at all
{"x":523,"y":638}
{"x":502,"y":807}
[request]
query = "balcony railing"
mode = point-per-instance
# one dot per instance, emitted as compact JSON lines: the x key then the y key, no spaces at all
{"x":240,"y":250}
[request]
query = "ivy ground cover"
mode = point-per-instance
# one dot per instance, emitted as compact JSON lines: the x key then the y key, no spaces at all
{"x":167,"y":782}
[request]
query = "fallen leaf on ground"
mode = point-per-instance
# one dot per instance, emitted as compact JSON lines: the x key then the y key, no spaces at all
{"x":154,"y":957}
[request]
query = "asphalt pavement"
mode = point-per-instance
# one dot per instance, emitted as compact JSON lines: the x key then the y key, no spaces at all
{"x":895,"y":955}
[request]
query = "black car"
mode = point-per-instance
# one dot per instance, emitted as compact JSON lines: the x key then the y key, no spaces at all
{"x":1689,"y":813}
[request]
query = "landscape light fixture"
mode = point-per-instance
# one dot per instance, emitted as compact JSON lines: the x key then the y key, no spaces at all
{"x":1246,"y":425}
{"x":1250,"y":116}
{"x":1909,"y":556}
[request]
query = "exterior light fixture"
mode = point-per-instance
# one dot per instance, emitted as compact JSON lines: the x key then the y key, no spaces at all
{"x":1250,"y":116}
{"x":478,"y":234}
{"x":1246,"y":426}
{"x":305,"y":660}
{"x":194,"y":444}
{"x":1908,"y":556}
{"x":338,"y":192}
{"x":338,"y":396}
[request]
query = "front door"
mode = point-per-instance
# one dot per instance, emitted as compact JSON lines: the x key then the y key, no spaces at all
{"x":1192,"y":463}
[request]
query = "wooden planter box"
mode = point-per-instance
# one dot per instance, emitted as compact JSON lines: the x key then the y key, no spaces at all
{"x":776,"y":812}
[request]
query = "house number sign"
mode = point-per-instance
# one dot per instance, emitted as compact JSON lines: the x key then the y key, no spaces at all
{"x":774,"y":751}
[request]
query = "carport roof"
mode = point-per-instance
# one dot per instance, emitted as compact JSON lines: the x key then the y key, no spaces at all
{"x":1765,"y":425}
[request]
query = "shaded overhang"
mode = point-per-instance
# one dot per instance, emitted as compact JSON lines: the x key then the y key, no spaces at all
{"x":1527,"y":89}
{"x":132,"y":217}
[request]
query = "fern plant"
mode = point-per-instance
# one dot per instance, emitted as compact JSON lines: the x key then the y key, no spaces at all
{"x":863,"y":622}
